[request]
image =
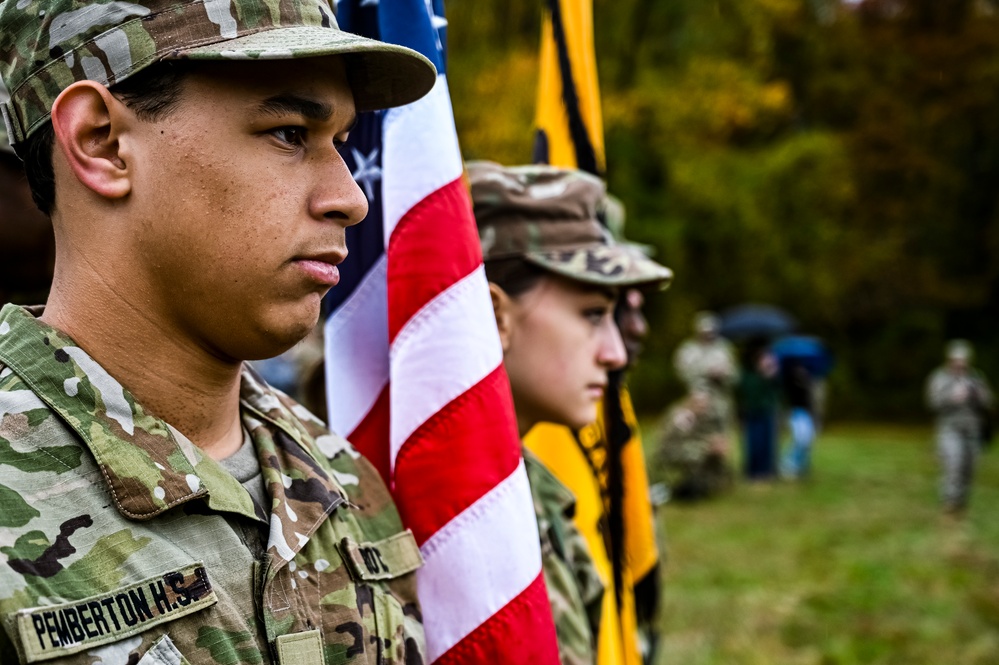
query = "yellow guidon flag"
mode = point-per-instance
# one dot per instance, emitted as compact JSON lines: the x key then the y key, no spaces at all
{"x":570,"y":129}
{"x":603,"y":464}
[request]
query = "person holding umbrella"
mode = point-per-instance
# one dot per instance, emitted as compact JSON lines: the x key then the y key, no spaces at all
{"x":758,"y":399}
{"x":804,"y":363}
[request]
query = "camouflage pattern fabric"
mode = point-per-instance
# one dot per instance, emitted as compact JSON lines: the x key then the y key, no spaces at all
{"x":548,"y":216}
{"x":121,"y":542}
{"x":45,"y":45}
{"x":961,"y":402}
{"x":574,"y":587}
{"x":690,"y":455}
{"x":709,"y":366}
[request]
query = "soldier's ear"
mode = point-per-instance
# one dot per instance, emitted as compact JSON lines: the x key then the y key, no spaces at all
{"x":88,"y":122}
{"x":503,"y":310}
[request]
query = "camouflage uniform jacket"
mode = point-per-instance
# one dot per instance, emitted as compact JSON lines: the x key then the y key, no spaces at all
{"x":688,"y":436}
{"x":968,"y":412}
{"x":707,"y":366}
{"x":122,"y":543}
{"x":574,"y":587}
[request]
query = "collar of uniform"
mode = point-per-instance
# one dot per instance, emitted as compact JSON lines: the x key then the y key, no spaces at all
{"x":302,"y":490}
{"x":147,"y":467}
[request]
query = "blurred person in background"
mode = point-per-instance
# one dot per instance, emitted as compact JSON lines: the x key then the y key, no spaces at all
{"x":758,"y":399}
{"x":555,"y":274}
{"x":707,"y":362}
{"x":961,"y":398}
{"x":799,"y":395}
{"x":693,"y":448}
{"x":603,"y":465}
{"x":27,"y":244}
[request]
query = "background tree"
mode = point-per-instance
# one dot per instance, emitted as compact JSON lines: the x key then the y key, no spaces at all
{"x":838,"y":160}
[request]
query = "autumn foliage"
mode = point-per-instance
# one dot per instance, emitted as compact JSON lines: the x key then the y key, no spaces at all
{"x":840,"y":160}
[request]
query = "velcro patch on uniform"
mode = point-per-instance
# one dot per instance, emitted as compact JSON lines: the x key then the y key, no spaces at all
{"x":382,"y":560}
{"x":300,"y":648}
{"x":59,"y":630}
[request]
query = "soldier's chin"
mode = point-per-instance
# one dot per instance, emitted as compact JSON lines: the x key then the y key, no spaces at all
{"x":581,"y":418}
{"x":274,"y":335}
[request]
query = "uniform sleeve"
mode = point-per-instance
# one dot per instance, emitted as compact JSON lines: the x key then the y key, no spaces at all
{"x":685,"y":362}
{"x":732,"y":367}
{"x":937,"y":391}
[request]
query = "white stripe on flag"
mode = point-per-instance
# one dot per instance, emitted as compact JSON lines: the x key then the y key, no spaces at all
{"x":357,"y":358}
{"x":420,"y":153}
{"x":477,"y":563}
{"x":446,"y":348}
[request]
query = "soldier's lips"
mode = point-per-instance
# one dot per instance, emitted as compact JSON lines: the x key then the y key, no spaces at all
{"x":321,"y":272}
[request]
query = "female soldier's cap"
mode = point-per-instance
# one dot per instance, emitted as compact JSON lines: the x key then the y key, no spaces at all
{"x":548,"y":216}
{"x":46,"y":45}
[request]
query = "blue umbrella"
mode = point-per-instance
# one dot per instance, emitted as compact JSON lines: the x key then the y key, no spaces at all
{"x":753,"y":320}
{"x":811,"y":352}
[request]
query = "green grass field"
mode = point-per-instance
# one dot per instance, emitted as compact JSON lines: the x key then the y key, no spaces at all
{"x":855,"y":565}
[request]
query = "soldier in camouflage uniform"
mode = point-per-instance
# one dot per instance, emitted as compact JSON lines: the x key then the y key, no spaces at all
{"x":554,"y":272}
{"x":159,"y":503}
{"x":707,"y":362}
{"x":960,"y":397}
{"x":693,"y":449}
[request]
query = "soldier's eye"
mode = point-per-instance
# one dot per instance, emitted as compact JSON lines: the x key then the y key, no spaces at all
{"x":595,"y":315}
{"x":291,"y":135}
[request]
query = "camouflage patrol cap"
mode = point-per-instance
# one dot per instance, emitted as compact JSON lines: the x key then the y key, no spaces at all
{"x":613,"y":216}
{"x":548,"y":216}
{"x":46,"y":45}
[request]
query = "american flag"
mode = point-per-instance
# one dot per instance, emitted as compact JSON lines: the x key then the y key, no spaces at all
{"x":414,"y":370}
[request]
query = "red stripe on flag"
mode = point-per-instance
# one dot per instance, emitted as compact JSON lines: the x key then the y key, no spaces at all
{"x":371,"y":436}
{"x":468,"y":447}
{"x":522,"y":632}
{"x":433,"y":246}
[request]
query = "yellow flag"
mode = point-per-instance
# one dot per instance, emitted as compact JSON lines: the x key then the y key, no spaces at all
{"x":569,"y":133}
{"x":570,"y":130}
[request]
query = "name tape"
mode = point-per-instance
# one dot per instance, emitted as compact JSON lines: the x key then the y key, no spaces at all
{"x":58,"y":630}
{"x":384,"y":559}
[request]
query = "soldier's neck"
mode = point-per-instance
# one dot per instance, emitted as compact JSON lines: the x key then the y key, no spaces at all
{"x":170,"y":374}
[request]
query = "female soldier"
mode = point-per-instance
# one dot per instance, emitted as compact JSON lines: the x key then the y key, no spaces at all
{"x":554,"y":274}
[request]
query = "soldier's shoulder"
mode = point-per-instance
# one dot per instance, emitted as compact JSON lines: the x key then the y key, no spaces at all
{"x":366,"y":489}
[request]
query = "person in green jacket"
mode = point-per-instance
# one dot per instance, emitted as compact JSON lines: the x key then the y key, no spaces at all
{"x":758,"y":399}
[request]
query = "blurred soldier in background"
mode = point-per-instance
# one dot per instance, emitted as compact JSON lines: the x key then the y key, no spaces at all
{"x":960,"y":397}
{"x":706,"y":362}
{"x":27,"y":246}
{"x":693,"y":449}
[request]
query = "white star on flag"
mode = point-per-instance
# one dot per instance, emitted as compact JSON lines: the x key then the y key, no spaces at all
{"x":367,"y":171}
{"x":436,"y":22}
